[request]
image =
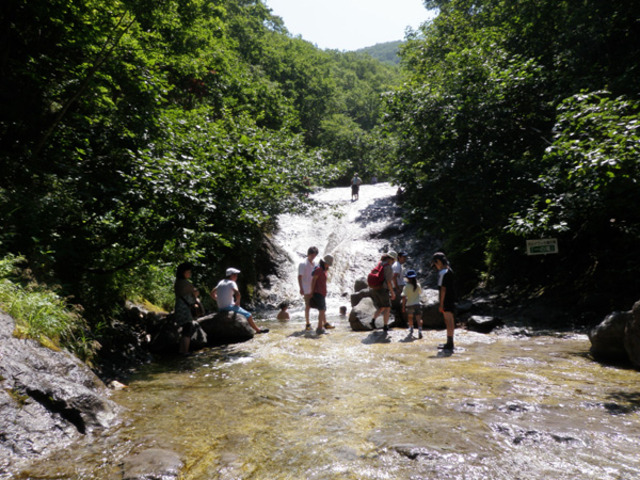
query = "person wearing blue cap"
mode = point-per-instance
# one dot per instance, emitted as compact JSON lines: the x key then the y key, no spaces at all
{"x":411,"y":301}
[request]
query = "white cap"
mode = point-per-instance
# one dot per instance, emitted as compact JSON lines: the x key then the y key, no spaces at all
{"x":232,"y":271}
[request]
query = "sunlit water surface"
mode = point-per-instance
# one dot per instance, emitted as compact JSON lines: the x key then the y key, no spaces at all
{"x":362,"y":405}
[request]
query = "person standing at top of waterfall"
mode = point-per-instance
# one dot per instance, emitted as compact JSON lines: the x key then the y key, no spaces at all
{"x":411,"y":302}
{"x":384,"y":294}
{"x":227,"y":295}
{"x":447,"y":295}
{"x":355,"y":187}
{"x":186,"y":298}
{"x":305,"y":271}
{"x":319,"y":289}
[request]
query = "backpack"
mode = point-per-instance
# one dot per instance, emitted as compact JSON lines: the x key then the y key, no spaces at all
{"x":375,"y":278}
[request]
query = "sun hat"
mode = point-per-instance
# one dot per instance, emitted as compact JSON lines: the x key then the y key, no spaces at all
{"x":328,"y":259}
{"x":392,"y":254}
{"x":411,"y":274}
{"x":232,"y":271}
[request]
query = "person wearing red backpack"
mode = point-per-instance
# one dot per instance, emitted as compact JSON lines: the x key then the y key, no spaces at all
{"x":380,"y":282}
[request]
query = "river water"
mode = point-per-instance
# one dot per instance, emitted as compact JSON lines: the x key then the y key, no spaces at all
{"x":516,"y":404}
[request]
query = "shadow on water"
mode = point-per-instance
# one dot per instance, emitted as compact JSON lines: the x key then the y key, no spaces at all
{"x":376,"y":337}
{"x":223,"y":355}
{"x":377,"y":209}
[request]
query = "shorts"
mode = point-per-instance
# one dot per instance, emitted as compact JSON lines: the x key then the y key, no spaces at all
{"x":237,"y":309}
{"x":307,"y":299}
{"x":188,"y":328}
{"x":380,"y":297}
{"x":355,"y":189}
{"x":449,"y":307}
{"x":414,"y":309}
{"x":318,"y":302}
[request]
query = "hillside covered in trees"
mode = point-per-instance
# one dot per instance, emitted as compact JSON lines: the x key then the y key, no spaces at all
{"x":136,"y":135}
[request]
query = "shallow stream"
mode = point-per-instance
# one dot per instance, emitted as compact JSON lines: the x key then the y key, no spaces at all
{"x":516,"y":404}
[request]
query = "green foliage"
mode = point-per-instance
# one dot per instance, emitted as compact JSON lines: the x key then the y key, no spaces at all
{"x":136,"y":135}
{"x":386,"y":52}
{"x":488,"y":81}
{"x":589,"y":191}
{"x":41,"y":314}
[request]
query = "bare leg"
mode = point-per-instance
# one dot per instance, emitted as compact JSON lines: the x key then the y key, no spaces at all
{"x":184,"y":345}
{"x":321,"y":319}
{"x":253,"y":324}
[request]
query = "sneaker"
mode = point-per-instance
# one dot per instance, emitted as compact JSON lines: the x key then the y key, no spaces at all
{"x":411,"y":332}
{"x":263,"y":330}
{"x":308,"y":327}
{"x":385,"y":328}
{"x":419,"y":334}
{"x":373,"y":324}
{"x":320,"y":331}
{"x":328,"y":326}
{"x":445,"y":346}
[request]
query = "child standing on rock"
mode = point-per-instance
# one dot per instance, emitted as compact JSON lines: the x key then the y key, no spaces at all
{"x":411,"y":301}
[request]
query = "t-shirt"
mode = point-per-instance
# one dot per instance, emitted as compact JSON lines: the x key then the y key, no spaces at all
{"x":321,"y":282}
{"x":445,"y":279}
{"x":413,"y":295}
{"x":397,"y":268}
{"x":305,"y":269}
{"x":224,"y":293}
{"x":388,"y":276}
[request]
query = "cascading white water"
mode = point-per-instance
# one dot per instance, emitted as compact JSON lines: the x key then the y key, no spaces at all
{"x":346,"y":229}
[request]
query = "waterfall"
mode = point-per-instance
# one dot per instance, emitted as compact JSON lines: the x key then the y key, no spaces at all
{"x":354,"y":232}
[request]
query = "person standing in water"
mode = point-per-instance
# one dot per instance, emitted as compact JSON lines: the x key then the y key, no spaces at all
{"x":319,"y":289}
{"x":383,"y":294}
{"x":227,"y":295}
{"x":447,"y":295}
{"x":411,"y":302}
{"x":186,"y":298}
{"x":305,"y":271}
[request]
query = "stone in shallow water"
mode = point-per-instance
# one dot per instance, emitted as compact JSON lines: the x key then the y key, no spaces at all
{"x":152,"y":464}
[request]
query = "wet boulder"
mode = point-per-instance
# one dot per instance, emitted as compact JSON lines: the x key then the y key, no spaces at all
{"x":361,"y":315}
{"x":483,"y":324}
{"x":431,"y":316}
{"x":360,"y":284}
{"x":166,"y":341}
{"x":226,"y":327}
{"x":153,"y":463}
{"x":48,"y":399}
{"x":359,"y":295}
{"x":608,"y":338}
{"x":632,"y":335}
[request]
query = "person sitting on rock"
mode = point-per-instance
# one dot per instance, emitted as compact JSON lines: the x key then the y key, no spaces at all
{"x":227,"y":295}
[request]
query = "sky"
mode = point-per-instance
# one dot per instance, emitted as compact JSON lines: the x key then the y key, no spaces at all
{"x":349,"y":24}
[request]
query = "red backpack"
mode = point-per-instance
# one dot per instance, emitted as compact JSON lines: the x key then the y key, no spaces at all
{"x":375,"y":279}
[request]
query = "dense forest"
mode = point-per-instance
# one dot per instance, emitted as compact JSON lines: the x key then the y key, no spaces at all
{"x":136,"y":135}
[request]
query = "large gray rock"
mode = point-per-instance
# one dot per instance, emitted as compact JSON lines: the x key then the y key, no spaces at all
{"x":167,"y":339}
{"x":431,"y":316}
{"x":48,"y":399}
{"x":361,"y":315}
{"x":607,"y":339}
{"x":226,"y":327}
{"x":632,"y":335}
{"x":483,"y":324}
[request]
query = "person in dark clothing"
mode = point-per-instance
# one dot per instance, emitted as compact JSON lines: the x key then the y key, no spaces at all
{"x":447,"y":295}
